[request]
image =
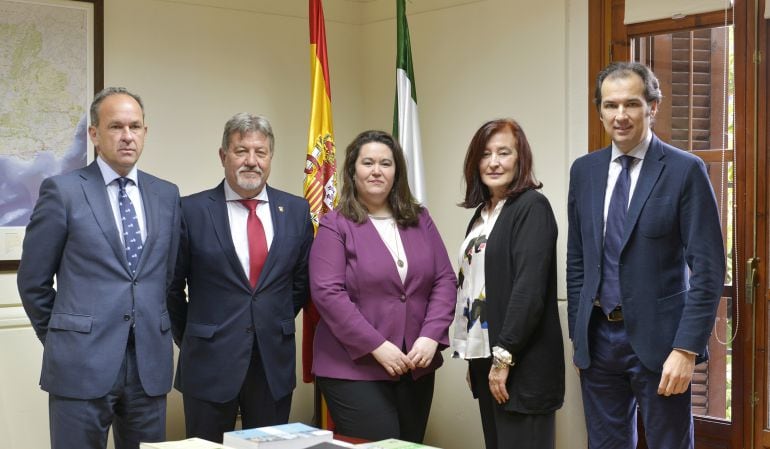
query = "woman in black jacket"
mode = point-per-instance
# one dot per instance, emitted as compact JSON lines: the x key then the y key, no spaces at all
{"x":507,"y":321}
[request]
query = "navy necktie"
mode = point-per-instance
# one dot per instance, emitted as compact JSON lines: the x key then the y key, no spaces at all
{"x":609,"y":292}
{"x":132,"y":234}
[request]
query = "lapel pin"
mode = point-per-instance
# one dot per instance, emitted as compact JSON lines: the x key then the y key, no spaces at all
{"x":280,"y":208}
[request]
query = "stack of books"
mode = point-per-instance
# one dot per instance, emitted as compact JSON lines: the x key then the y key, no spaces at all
{"x":393,"y":443}
{"x":190,"y":443}
{"x":285,"y":436}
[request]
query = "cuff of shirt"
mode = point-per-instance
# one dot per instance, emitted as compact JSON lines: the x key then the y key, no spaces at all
{"x":687,"y":351}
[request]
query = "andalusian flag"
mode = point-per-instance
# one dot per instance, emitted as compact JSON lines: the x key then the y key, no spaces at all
{"x":406,"y":127}
{"x":320,"y":166}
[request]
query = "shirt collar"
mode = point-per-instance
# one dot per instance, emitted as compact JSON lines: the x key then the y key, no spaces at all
{"x":230,"y":194}
{"x":638,"y":151}
{"x":111,"y":175}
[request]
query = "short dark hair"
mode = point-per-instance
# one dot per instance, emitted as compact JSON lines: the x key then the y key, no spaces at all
{"x":624,"y":69}
{"x":405,"y":209}
{"x":107,"y":92}
{"x":524,"y":179}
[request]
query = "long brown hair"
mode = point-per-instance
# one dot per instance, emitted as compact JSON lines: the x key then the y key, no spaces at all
{"x":524,"y":179}
{"x":405,"y":209}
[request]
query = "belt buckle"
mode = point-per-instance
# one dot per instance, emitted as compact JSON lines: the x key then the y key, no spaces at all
{"x":615,"y":315}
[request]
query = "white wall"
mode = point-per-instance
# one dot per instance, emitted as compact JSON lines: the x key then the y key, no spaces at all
{"x":475,"y":61}
{"x":196,"y":62}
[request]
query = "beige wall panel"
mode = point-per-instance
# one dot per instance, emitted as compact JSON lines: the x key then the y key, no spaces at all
{"x":23,"y":406}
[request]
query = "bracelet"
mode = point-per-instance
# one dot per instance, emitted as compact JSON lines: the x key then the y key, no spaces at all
{"x":501,"y":358}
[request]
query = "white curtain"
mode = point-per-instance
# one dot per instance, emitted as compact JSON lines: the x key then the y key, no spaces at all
{"x":646,"y":10}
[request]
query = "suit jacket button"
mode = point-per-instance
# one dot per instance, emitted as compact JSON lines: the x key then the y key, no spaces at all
{"x":126,"y":317}
{"x":403,"y":298}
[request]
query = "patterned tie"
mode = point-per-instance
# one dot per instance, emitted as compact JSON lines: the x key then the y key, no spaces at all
{"x":132,"y":233}
{"x":257,"y":241}
{"x":609,"y":292}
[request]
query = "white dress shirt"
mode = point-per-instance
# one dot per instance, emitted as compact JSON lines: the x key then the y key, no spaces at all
{"x":637,"y":152}
{"x":132,"y":190}
{"x":238,"y":214}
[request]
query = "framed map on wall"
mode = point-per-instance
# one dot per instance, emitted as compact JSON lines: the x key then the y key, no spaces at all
{"x":50,"y":67}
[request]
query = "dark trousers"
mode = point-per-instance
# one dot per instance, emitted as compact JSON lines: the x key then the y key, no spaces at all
{"x":616,"y":383}
{"x":376,"y":410}
{"x":209,"y":420}
{"x":134,"y":416}
{"x":505,"y":429}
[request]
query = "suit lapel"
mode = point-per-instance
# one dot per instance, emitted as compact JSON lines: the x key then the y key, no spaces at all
{"x":96,"y":196}
{"x":278,"y":217}
{"x":648,"y":176}
{"x":219,"y":220}
{"x":150,"y":205}
{"x":598,"y":175}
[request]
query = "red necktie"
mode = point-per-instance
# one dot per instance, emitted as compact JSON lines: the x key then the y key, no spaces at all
{"x":257,"y":241}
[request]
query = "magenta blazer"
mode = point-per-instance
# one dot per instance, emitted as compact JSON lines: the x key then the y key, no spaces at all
{"x":362,"y":301}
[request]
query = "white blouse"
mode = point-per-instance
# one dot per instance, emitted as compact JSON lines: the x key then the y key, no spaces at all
{"x":471,"y":336}
{"x":388,"y":230}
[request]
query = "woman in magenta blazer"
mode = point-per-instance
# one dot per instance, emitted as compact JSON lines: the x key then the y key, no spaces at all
{"x":382,"y":282}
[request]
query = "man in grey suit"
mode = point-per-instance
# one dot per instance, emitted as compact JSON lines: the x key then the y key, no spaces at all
{"x":243,"y":258}
{"x":108,"y":233}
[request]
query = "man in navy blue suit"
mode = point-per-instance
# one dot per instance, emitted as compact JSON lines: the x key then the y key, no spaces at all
{"x":645,"y":270}
{"x":243,"y":257}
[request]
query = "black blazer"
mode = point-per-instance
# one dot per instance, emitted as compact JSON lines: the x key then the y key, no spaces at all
{"x":522,"y":310}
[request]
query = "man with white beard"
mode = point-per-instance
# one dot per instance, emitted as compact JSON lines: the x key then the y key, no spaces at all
{"x":243,"y":257}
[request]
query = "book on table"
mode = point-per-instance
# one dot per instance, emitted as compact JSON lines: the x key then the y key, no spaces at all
{"x":334,"y":444}
{"x":284,"y":436}
{"x":190,"y":443}
{"x":392,"y":443}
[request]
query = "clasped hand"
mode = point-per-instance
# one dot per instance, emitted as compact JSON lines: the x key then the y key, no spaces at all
{"x":397,"y":363}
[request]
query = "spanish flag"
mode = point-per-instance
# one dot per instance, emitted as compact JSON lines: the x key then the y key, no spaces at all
{"x":320,"y":167}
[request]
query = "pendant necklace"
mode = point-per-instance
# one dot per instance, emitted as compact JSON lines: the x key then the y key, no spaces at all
{"x":397,"y":252}
{"x":399,"y":262}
